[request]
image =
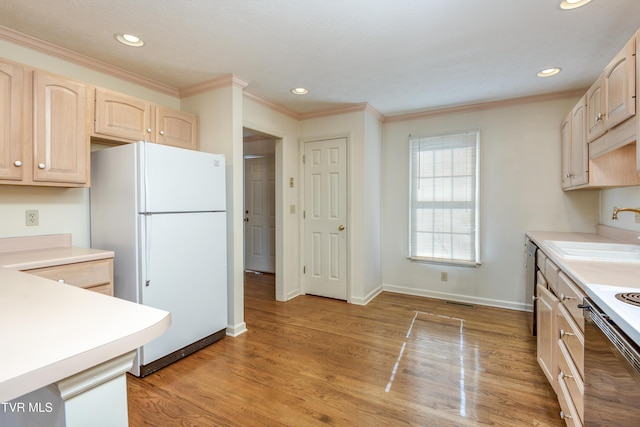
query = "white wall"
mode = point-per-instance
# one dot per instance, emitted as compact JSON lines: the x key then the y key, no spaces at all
{"x":220,"y":113}
{"x":519,"y":191}
{"x":286,"y":131}
{"x":363,"y":132}
{"x":627,"y":197}
{"x":60,"y":210}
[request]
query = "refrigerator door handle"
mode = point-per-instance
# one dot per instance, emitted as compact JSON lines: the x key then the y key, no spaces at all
{"x":146,"y":240}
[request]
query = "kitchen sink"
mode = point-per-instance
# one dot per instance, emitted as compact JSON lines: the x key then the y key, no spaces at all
{"x":595,"y":251}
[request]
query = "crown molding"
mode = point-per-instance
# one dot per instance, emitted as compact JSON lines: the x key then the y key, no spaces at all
{"x":351,"y":108}
{"x":209,"y":85}
{"x":271,"y":105}
{"x":485,"y":105}
{"x":82,"y":60}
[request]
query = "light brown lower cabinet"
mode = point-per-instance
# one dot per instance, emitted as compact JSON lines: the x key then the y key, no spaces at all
{"x":95,"y":276}
{"x":560,"y":338}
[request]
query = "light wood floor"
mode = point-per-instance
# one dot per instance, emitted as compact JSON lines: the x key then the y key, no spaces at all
{"x":400,"y":360}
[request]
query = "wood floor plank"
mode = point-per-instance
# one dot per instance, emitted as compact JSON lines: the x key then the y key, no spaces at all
{"x":315,"y":361}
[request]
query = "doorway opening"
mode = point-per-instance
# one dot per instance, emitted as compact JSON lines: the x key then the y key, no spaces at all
{"x":259,"y":203}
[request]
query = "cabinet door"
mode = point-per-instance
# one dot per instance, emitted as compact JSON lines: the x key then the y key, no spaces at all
{"x":579,"y":152}
{"x":176,"y":128}
{"x":12,"y":121}
{"x":595,"y":110}
{"x":565,"y":129}
{"x":620,"y":86}
{"x":546,"y":338}
{"x":61,"y":137}
{"x":121,"y":116}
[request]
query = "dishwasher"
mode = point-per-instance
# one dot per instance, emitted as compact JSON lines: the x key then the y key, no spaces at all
{"x":530,"y":280}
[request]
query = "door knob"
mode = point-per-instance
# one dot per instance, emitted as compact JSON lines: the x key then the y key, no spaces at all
{"x":341,"y":228}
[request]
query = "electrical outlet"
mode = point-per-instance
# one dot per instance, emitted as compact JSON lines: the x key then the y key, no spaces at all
{"x":31,"y":218}
{"x":444,"y":276}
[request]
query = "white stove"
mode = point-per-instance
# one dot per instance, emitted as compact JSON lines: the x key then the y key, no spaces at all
{"x":626,"y":316}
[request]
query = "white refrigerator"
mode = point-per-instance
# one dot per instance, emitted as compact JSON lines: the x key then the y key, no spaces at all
{"x":162,"y":210}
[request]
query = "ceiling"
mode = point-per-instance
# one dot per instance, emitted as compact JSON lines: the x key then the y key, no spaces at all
{"x":400,"y":56}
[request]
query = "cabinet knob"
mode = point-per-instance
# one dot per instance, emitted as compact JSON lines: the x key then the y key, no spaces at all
{"x":41,"y":165}
{"x":599,"y":117}
{"x":563,"y":415}
{"x":161,"y":132}
{"x":148,"y":130}
{"x":563,"y":375}
{"x":564,"y":333}
{"x":17,"y":163}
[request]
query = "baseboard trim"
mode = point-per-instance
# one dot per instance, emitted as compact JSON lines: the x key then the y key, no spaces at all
{"x":460,"y":298}
{"x":239,"y":329}
{"x":368,"y":298}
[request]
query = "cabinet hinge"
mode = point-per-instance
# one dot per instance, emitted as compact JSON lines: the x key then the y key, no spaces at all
{"x":304,"y":270}
{"x":304,"y":214}
{"x":303,"y":158}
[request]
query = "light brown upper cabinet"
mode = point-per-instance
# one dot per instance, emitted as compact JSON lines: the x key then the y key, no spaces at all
{"x":575,"y":156}
{"x":121,"y":116}
{"x":611,"y":99}
{"x":61,"y":131}
{"x":176,"y":128}
{"x":124,"y":118}
{"x":13,"y":134}
{"x":44,"y":128}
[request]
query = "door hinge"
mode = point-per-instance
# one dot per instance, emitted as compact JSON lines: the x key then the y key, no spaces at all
{"x":304,"y":270}
{"x":304,"y":214}
{"x":303,"y":158}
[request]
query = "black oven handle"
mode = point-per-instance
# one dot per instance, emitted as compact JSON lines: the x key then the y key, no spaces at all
{"x":627,"y":348}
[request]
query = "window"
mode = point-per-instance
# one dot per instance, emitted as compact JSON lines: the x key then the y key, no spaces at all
{"x":443,"y":223}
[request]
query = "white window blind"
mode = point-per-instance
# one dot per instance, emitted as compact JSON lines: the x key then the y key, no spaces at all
{"x":443,"y":224}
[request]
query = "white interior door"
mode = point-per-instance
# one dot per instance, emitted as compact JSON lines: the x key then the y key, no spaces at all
{"x":325,"y":216}
{"x":260,"y":214}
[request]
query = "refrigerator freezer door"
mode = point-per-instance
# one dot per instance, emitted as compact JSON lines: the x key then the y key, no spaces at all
{"x":184,"y":271}
{"x":179,"y":180}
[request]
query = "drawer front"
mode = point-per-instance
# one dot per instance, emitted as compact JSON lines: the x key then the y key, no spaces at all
{"x":83,"y":274}
{"x":571,"y":386}
{"x":541,"y":258}
{"x":571,"y":296}
{"x":540,"y":280}
{"x":572,"y":337}
{"x":551,"y":274}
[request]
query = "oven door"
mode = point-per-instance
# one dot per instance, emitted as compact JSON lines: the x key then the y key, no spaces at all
{"x":611,"y":372}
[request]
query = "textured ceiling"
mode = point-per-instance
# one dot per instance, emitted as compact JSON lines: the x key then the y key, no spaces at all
{"x":400,"y":56}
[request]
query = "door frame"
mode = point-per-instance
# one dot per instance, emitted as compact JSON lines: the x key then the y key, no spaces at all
{"x":281,"y":263}
{"x":301,"y":198}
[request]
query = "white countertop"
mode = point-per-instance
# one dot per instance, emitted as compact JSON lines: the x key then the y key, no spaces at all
{"x":48,"y":257}
{"x":600,"y":280}
{"x":586,"y":271}
{"x":51,"y":331}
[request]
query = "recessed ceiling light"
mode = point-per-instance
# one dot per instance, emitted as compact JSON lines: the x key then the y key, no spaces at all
{"x":548,"y":72}
{"x":299,"y":91}
{"x":572,"y":4}
{"x":129,"y":40}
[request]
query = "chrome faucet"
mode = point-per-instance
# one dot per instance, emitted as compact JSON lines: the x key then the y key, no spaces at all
{"x":616,"y":210}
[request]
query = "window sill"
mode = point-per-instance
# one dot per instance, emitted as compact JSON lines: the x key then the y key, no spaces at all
{"x":452,"y":262}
